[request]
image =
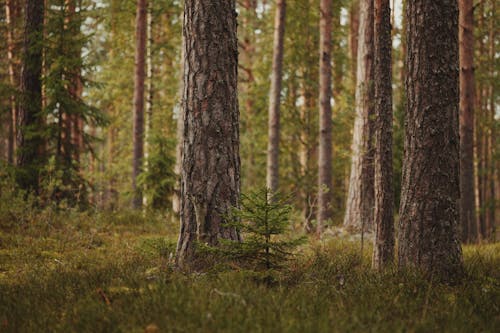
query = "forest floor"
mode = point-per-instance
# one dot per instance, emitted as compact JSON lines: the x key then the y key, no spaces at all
{"x":81,"y":272}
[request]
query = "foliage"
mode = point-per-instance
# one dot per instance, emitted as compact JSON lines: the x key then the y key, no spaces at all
{"x":263,"y":219}
{"x":158,"y":179}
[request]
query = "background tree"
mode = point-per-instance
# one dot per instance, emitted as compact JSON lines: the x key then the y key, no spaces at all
{"x":383,"y":250}
{"x":325,"y":187}
{"x":429,"y":211}
{"x":275,"y":98}
{"x":360,"y":197}
{"x":210,"y":160}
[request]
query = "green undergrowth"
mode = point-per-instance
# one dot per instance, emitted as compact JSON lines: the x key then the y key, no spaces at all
{"x":112,"y":272}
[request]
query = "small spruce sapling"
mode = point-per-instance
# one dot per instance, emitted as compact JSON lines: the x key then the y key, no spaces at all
{"x":263,"y":219}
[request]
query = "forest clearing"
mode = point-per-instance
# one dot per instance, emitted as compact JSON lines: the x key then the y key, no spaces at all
{"x":249,"y":166}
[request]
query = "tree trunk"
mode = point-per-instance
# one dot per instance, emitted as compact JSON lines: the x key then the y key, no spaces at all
{"x":10,"y":15}
{"x":148,"y":111}
{"x":383,"y":249}
{"x":325,"y":116}
{"x":30,"y":120}
{"x":466,"y":47}
{"x":353,"y":36}
{"x":274,"y":98}
{"x":429,"y":212}
{"x":360,"y":199}
{"x":210,"y":163}
{"x":139,"y":78}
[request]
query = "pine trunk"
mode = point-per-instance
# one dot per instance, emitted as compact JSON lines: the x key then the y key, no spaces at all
{"x":139,"y":79}
{"x":325,"y":116}
{"x":383,"y":250}
{"x":360,"y":198}
{"x":30,"y":121}
{"x":466,"y":47}
{"x":210,"y":163}
{"x":429,"y":211}
{"x":274,"y":98}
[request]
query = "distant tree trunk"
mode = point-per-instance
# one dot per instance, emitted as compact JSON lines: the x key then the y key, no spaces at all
{"x":325,"y":187}
{"x":466,"y":47}
{"x":10,"y":16}
{"x":360,"y":198}
{"x":383,"y":249}
{"x":139,"y":78}
{"x":30,"y":120}
{"x":210,"y":162}
{"x":429,"y":212}
{"x":274,"y":98}
{"x":353,"y":36}
{"x":148,"y":111}
{"x":490,"y":218}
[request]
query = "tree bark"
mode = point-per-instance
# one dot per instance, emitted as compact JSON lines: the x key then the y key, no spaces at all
{"x":274,"y":98}
{"x":30,"y":120}
{"x":10,"y":16}
{"x":429,"y":211}
{"x":210,"y":163}
{"x":383,"y":250}
{"x":139,"y":79}
{"x":325,"y":187}
{"x":466,"y":50}
{"x":360,"y":199}
{"x":353,"y":36}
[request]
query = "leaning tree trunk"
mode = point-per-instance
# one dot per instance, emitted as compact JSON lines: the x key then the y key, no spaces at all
{"x":274,"y":98}
{"x":139,"y":78}
{"x":467,"y":88}
{"x":360,"y":201}
{"x":30,"y":121}
{"x":429,"y":211}
{"x":325,"y":116}
{"x":383,"y":249}
{"x":210,"y":161}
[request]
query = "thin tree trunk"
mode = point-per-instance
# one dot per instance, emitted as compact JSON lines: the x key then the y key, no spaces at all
{"x":148,"y":128}
{"x":274,"y":98}
{"x":325,"y":187}
{"x":466,"y":47}
{"x":383,"y":250}
{"x":360,"y":199}
{"x":139,"y":78}
{"x":210,"y":163}
{"x":429,"y":211}
{"x":10,"y":26}
{"x":353,"y":36}
{"x":30,"y":121}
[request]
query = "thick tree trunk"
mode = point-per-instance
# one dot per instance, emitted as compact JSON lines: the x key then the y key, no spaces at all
{"x":466,"y":47}
{"x":360,"y":199}
{"x":210,"y":163}
{"x":30,"y":120}
{"x":353,"y":36}
{"x":274,"y":98}
{"x":429,"y":212}
{"x":325,"y":116}
{"x":139,"y":79}
{"x":383,"y":249}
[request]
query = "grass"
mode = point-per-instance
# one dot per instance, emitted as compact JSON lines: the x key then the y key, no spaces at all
{"x":82,"y":272}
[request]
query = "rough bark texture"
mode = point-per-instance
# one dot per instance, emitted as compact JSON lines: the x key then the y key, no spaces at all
{"x":383,"y":249}
{"x":274,"y":98}
{"x":466,"y":47}
{"x":325,"y":116}
{"x":210,"y":163}
{"x":429,"y":211}
{"x":360,"y":198}
{"x":29,"y":139}
{"x":139,"y":79}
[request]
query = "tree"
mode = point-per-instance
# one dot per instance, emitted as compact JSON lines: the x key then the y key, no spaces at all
{"x":429,"y":210}
{"x":139,"y":79}
{"x":274,"y":98}
{"x":210,"y":161}
{"x":383,"y":250}
{"x":467,"y":88}
{"x":325,"y":118}
{"x":359,"y":205}
{"x":30,"y":121}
